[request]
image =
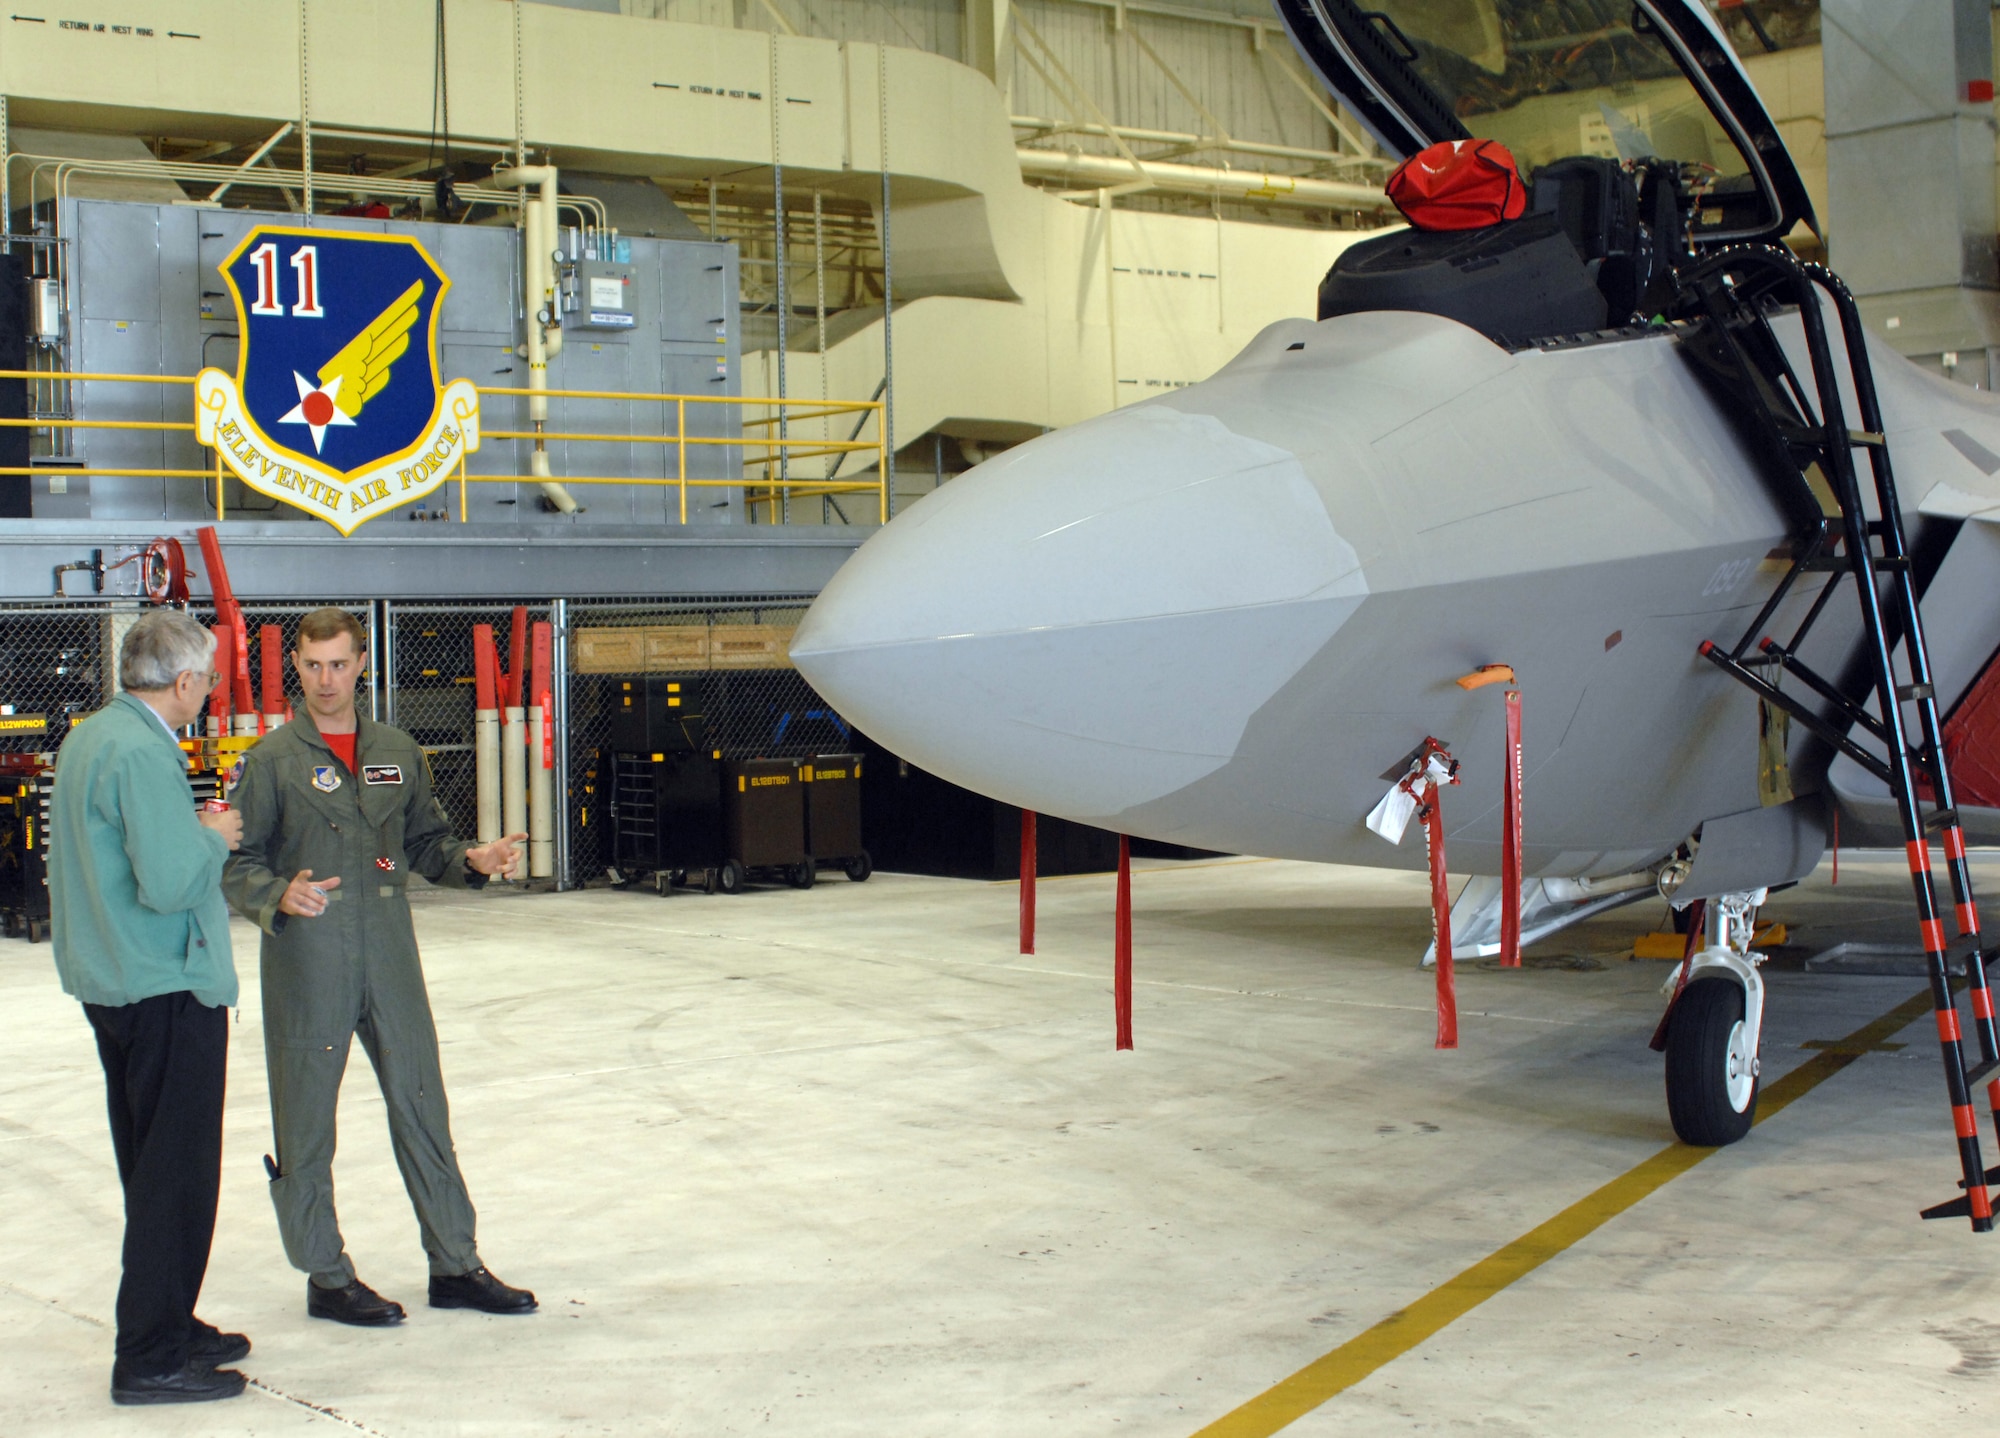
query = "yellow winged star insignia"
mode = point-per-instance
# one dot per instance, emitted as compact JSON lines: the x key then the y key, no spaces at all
{"x":358,"y":373}
{"x":362,"y":367}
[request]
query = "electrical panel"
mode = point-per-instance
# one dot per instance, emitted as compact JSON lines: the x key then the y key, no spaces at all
{"x":605,"y":295}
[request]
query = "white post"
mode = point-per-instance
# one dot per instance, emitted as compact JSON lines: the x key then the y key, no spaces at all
{"x":486,"y":772}
{"x":514,"y":769}
{"x":541,"y":832}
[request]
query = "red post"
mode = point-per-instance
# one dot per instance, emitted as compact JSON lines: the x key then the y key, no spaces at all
{"x":225,"y":667}
{"x":1510,"y":841}
{"x":237,"y":672}
{"x":1027,"y":881}
{"x":485,"y":668}
{"x":1447,"y":990}
{"x":516,"y":677}
{"x":543,"y":649}
{"x":1121,"y":980}
{"x":271,"y":659}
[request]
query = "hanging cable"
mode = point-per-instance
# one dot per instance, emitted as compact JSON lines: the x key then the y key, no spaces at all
{"x":447,"y":200}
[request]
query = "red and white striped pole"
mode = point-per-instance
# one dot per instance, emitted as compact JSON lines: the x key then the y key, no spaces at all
{"x":1447,"y":988}
{"x":1027,"y":881}
{"x":1121,"y":975}
{"x":541,"y":755}
{"x":1510,"y":841}
{"x":486,"y":733}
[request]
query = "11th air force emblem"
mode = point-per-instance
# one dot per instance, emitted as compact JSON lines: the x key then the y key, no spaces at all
{"x":335,"y":406}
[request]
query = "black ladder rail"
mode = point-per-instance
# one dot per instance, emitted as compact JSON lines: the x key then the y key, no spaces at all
{"x":1734,"y":291}
{"x":1922,"y":687}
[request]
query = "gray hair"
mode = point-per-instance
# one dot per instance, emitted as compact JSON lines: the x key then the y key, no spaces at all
{"x":161,"y":647}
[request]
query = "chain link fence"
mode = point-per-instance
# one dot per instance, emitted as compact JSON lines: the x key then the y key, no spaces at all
{"x":58,"y":662}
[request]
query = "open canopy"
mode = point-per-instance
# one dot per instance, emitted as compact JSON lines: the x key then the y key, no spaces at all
{"x":1554,"y":78}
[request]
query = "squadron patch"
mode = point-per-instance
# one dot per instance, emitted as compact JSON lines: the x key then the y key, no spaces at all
{"x":337,"y":406}
{"x":326,"y":778}
{"x":381,"y":773}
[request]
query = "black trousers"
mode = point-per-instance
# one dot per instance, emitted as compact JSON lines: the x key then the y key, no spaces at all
{"x":164,"y":1063}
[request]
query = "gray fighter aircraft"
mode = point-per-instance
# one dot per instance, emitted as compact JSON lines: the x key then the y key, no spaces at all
{"x":1226,"y":616}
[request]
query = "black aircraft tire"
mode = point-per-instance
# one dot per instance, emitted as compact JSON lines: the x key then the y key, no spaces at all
{"x":1698,"y":1065}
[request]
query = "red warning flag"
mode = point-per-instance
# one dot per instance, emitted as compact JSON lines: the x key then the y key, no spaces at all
{"x":1459,"y":185}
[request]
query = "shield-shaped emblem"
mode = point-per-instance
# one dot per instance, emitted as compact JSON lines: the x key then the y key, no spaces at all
{"x":336,"y":405}
{"x":326,"y":778}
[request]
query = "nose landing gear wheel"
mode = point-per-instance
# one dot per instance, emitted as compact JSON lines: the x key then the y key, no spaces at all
{"x":1711,"y":1073}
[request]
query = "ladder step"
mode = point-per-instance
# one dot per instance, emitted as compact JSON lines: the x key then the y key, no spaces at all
{"x":1865,"y":439}
{"x":1979,"y":1071}
{"x":1910,"y":693}
{"x":1960,"y":1207}
{"x":1941,"y":819}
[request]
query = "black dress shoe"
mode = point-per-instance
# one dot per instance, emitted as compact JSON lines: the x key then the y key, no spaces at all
{"x":479,"y":1289}
{"x":357,"y":1304}
{"x":194,"y":1383}
{"x":209,"y":1344}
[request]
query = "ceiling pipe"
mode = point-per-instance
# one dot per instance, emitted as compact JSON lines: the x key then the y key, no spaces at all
{"x":1250,"y":186}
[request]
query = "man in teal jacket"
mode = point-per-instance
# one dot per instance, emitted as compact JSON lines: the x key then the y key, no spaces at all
{"x":142,"y":939}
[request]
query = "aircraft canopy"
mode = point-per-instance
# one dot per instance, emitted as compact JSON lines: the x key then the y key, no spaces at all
{"x":1653,"y":79}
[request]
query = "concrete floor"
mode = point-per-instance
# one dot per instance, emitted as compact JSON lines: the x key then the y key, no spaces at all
{"x":842,"y":1163}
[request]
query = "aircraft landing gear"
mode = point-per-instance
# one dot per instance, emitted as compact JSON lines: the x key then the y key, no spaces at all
{"x":1714,"y":1027}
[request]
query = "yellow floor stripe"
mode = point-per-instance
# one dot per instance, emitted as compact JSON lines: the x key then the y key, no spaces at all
{"x":1397,"y":1334}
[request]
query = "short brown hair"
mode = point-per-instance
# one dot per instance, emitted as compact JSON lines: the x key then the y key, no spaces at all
{"x":326,"y":623}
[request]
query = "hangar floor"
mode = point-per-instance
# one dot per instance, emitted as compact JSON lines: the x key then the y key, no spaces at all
{"x":843,"y":1163}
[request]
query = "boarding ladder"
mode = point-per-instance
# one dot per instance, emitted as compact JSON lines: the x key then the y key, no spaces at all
{"x":1804,"y":439}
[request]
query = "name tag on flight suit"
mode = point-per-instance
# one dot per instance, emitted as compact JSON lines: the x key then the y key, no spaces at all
{"x":381,"y":773}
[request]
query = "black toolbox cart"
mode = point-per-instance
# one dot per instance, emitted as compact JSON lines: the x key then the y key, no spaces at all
{"x":833,"y":813}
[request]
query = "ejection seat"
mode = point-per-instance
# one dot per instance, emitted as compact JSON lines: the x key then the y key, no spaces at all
{"x":1591,"y":249}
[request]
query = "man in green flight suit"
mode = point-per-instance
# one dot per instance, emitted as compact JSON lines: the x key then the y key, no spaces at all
{"x":343,"y":806}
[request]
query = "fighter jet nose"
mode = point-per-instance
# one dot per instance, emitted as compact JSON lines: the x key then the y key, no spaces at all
{"x":1026,"y":630}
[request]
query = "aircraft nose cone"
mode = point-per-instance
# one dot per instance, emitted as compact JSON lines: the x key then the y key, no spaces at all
{"x":1087,"y":622}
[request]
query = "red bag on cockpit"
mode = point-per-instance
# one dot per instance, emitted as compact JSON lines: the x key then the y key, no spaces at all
{"x":1459,"y":185}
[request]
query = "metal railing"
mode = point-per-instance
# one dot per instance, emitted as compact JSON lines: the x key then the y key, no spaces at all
{"x":57,"y":664}
{"x":771,"y":453}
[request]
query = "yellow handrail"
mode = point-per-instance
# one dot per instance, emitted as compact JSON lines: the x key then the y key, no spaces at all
{"x":64,"y":377}
{"x":770,"y":450}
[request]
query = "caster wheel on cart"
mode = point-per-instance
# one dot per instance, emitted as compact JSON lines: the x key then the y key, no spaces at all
{"x":38,"y":930}
{"x":708,"y":881}
{"x":729,"y":879}
{"x":661,"y":883}
{"x":804,"y":876}
{"x":859,"y":867}
{"x":1711,"y":1073}
{"x":678,"y":878}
